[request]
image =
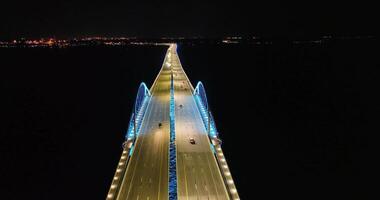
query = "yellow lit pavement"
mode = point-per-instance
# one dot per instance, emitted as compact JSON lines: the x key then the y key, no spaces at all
{"x":201,"y":174}
{"x":198,"y":174}
{"x":146,"y":176}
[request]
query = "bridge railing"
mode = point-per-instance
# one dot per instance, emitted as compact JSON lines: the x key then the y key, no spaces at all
{"x":208,"y":120}
{"x":203,"y":107}
{"x":137,"y":115}
{"x":139,"y":108}
{"x":162,"y":67}
{"x":183,"y":71}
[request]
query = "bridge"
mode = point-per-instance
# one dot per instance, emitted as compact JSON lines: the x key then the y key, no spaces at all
{"x":172,"y":149}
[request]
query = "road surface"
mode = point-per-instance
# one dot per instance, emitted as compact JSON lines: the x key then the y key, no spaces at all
{"x":198,"y":174}
{"x":146,"y":176}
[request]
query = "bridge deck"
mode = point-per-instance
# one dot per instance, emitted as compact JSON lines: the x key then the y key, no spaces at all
{"x":197,"y":170}
{"x":198,"y":174}
{"x":146,"y":176}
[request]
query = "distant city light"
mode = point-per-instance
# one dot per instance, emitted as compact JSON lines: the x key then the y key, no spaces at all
{"x":163,"y":41}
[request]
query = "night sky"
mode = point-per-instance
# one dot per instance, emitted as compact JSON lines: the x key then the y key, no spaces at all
{"x":70,"y":18}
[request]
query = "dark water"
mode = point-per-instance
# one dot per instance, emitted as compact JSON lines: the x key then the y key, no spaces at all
{"x":295,"y":120}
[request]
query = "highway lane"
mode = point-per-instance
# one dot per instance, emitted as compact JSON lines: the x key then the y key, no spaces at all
{"x":198,"y":174}
{"x":146,"y":176}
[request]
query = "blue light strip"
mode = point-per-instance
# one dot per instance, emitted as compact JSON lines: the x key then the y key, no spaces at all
{"x":201,"y":101}
{"x":213,"y":132}
{"x":141,"y":103}
{"x":139,"y":117}
{"x":141,"y":113}
{"x":172,"y":148}
{"x":130,"y":132}
{"x":131,"y":150}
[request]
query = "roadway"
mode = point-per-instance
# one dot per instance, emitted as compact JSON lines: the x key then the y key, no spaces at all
{"x":146,"y":176}
{"x":198,"y":174}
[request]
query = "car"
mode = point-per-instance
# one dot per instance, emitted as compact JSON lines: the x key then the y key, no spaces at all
{"x":192,"y":141}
